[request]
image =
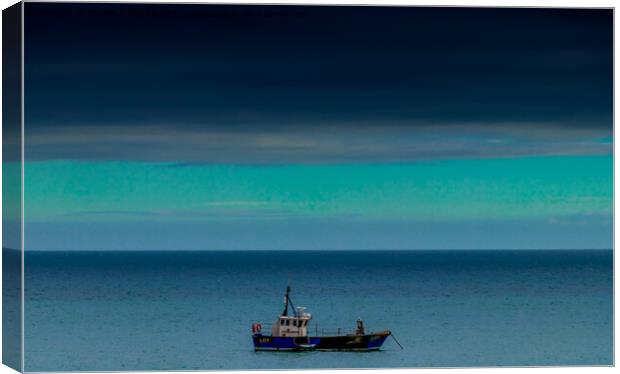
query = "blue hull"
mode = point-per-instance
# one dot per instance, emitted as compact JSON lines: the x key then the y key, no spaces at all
{"x":370,"y":342}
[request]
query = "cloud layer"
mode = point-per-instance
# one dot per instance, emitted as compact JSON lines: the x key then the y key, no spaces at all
{"x":313,"y":144}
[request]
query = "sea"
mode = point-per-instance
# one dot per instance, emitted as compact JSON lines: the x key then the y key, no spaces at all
{"x":193,"y":310}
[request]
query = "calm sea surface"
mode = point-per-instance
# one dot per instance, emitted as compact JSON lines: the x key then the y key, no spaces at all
{"x":193,"y":310}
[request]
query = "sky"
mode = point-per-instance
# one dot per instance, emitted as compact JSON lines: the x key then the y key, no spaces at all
{"x":296,"y":127}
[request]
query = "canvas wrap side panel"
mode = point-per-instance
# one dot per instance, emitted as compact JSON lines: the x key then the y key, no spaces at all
{"x":12,"y":186}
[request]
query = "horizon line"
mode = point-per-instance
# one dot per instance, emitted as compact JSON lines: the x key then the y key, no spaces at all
{"x":312,"y":250}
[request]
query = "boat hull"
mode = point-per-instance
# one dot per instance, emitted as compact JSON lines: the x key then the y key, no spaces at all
{"x":369,"y":342}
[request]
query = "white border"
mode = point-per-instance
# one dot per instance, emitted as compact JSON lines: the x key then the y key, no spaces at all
{"x":477,"y":3}
{"x":451,"y":3}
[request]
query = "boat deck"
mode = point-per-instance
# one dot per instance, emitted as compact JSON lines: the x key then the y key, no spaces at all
{"x":368,"y":342}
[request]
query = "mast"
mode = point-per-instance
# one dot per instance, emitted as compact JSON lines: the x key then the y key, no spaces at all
{"x":286,"y":300}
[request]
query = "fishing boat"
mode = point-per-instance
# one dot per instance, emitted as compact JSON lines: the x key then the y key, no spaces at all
{"x":290,"y":333}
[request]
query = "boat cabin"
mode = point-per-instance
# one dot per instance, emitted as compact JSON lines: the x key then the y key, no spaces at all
{"x":292,"y":326}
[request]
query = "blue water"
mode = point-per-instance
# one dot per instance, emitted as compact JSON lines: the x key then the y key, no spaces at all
{"x":193,"y":310}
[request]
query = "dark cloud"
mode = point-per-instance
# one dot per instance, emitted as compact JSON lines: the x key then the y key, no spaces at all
{"x":125,"y":68}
